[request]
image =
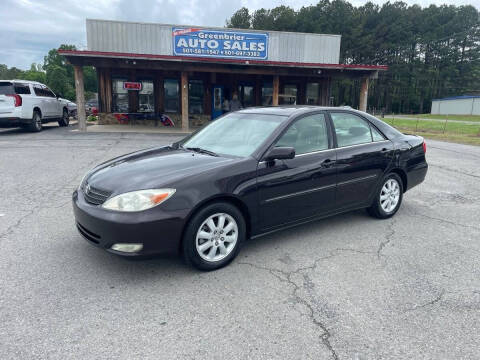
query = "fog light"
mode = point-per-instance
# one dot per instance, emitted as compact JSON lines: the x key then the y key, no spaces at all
{"x":130,"y":248}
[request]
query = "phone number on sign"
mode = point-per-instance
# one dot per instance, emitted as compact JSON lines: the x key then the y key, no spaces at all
{"x":222,"y":52}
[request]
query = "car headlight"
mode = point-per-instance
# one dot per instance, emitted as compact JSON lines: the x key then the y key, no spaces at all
{"x":138,"y":200}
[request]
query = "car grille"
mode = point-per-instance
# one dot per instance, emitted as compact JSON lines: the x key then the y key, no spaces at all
{"x":94,"y":195}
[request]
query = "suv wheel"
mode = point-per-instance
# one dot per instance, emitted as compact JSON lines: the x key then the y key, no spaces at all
{"x":213,"y":236}
{"x":36,"y":124}
{"x":65,"y":118}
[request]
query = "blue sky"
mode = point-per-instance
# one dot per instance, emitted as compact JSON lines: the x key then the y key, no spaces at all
{"x":30,"y":28}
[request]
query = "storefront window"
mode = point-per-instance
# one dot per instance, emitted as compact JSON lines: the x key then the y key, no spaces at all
{"x":267,"y":94}
{"x":119,"y":96}
{"x":171,"y":97}
{"x":146,"y":100}
{"x":312,"y":93}
{"x":289,"y":96}
{"x":246,"y":95}
{"x":195,"y":97}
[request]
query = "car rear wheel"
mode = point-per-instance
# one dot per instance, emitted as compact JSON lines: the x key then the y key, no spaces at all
{"x":36,"y":124}
{"x":389,"y":197}
{"x":64,"y":121}
{"x":213,"y":236}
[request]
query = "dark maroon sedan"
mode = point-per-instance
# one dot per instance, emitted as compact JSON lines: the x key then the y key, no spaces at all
{"x":246,"y":174}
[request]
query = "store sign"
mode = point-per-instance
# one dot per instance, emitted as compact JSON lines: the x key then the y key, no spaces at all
{"x":219,"y":44}
{"x":130,"y":85}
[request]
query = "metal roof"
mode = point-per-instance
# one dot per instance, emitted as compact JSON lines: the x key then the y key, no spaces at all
{"x":458,"y":97}
{"x":156,"y":39}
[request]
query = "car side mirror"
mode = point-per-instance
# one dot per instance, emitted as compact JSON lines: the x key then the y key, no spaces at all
{"x":280,"y":153}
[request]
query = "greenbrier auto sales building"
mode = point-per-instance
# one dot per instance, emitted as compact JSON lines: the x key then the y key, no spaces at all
{"x":194,"y":74}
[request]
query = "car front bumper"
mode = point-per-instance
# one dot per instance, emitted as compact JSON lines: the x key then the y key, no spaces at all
{"x":157,"y":231}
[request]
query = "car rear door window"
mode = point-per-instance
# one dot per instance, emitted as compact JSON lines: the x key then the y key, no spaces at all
{"x":306,"y":135}
{"x":350,"y":129}
{"x":38,"y":90}
{"x":376,"y":135}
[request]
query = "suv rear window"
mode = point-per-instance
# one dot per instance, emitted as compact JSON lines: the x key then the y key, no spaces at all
{"x":7,"y":88}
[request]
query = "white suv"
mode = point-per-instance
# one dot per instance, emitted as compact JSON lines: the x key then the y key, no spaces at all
{"x":29,"y":104}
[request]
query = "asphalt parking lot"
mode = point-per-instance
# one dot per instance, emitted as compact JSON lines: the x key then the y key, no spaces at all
{"x":348,"y":287}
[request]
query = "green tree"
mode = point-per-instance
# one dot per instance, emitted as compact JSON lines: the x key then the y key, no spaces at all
{"x":240,"y":20}
{"x":431,"y":52}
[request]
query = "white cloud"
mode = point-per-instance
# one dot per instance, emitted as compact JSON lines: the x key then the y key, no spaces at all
{"x":30,"y":28}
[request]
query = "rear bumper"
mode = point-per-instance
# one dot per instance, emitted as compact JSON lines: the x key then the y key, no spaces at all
{"x":159,"y":232}
{"x":416,"y":175}
{"x":6,"y":122}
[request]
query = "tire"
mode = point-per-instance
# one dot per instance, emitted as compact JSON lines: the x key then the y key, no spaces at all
{"x":388,"y":198}
{"x":64,"y":121}
{"x":36,"y":124}
{"x":204,"y":241}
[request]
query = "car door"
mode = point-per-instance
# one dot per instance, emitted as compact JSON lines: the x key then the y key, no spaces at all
{"x":54,"y":103}
{"x":302,"y":187}
{"x":43,"y":100}
{"x":363,"y":156}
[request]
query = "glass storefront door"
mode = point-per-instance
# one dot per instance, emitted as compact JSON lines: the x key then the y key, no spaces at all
{"x":246,"y":95}
{"x":146,"y":99}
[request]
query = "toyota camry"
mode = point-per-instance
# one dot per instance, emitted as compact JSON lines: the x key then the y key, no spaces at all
{"x":246,"y":174}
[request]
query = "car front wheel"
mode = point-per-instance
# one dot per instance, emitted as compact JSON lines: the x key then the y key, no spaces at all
{"x":213,"y":236}
{"x":389,"y":197}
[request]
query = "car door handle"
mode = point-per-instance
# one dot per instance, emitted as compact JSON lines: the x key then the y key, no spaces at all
{"x":327,"y":163}
{"x":384,"y":150}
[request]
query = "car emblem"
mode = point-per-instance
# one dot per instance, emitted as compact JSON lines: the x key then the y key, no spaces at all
{"x":87,"y":189}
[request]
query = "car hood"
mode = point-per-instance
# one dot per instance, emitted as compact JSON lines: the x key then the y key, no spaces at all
{"x":153,"y":168}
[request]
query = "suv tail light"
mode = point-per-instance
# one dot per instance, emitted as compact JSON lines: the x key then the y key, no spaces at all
{"x":424,"y":146}
{"x":18,"y":99}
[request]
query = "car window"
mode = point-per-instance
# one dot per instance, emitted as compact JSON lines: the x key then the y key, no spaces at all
{"x":48,"y":92}
{"x":38,"y":90}
{"x":306,"y":135}
{"x":22,"y":89}
{"x":6,"y":88}
{"x":237,"y":134}
{"x":376,"y":134}
{"x":350,"y":129}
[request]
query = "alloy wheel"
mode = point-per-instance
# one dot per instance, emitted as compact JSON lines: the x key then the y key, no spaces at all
{"x":390,"y":195}
{"x":216,"y":237}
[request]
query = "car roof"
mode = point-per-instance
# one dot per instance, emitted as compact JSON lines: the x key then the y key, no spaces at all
{"x":21,"y":81}
{"x":292,"y":110}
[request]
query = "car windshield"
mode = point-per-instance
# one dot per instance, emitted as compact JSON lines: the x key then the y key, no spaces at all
{"x":237,"y":134}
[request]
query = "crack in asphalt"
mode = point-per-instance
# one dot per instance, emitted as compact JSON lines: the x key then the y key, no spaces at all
{"x":286,"y":277}
{"x":388,"y":238}
{"x":438,"y":298}
{"x":44,"y":205}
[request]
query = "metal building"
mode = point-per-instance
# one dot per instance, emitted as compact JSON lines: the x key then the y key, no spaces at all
{"x":456,"y":105}
{"x":193,"y":74}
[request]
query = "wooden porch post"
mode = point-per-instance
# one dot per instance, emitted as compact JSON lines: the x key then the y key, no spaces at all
{"x":364,"y":94}
{"x":80,"y":94}
{"x":276,"y":89}
{"x":184,"y":82}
